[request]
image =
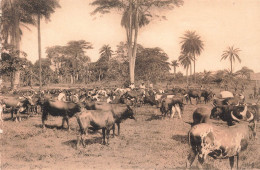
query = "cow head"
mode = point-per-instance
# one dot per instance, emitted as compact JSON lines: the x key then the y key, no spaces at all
{"x":129,"y":113}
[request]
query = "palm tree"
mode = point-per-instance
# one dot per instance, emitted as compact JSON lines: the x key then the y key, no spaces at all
{"x":232,"y":54}
{"x":106,"y":52}
{"x":185,"y":61}
{"x":135,"y":14}
{"x":39,"y":9}
{"x":175,"y":64}
{"x":192,"y":45}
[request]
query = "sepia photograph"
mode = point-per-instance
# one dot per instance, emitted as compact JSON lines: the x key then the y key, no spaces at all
{"x":129,"y":84}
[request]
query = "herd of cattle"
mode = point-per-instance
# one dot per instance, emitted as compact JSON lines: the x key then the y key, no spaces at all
{"x":96,"y":109}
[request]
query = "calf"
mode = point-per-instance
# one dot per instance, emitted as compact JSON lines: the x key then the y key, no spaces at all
{"x":102,"y":119}
{"x":218,"y":142}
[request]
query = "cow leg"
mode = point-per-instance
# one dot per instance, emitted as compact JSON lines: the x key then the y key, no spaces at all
{"x":231,"y":161}
{"x":113,"y":130}
{"x":12,"y":113}
{"x":63,"y":120}
{"x":178,"y":111}
{"x":172,"y":112}
{"x":237,"y":160}
{"x":108,"y":133}
{"x":200,"y":162}
{"x":67,"y":120}
{"x":191,"y":158}
{"x":104,"y":136}
{"x":44,"y":118}
{"x":118,"y":129}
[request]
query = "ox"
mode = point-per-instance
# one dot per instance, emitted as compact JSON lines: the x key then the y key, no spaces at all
{"x":102,"y":119}
{"x":58,"y":108}
{"x":200,"y":115}
{"x":172,"y":105}
{"x":194,"y":93}
{"x":218,"y":142}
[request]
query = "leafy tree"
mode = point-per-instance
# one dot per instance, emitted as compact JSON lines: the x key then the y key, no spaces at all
{"x":40,"y":9}
{"x":152,"y":64}
{"x":13,"y":17}
{"x":231,"y":54}
{"x":48,"y":73}
{"x":11,"y":62}
{"x":135,"y":14}
{"x":192,"y":45}
{"x":244,"y":72}
{"x":70,"y":60}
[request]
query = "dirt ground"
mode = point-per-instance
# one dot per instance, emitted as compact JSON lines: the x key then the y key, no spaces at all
{"x":148,"y":143}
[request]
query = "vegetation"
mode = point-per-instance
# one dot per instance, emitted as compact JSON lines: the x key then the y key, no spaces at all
{"x":231,"y":54}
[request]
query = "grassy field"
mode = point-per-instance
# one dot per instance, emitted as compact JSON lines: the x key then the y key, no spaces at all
{"x":148,"y":143}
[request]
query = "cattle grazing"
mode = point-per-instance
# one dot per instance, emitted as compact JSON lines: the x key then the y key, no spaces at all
{"x":171,"y":106}
{"x":102,"y":119}
{"x":217,"y":142}
{"x":58,"y":108}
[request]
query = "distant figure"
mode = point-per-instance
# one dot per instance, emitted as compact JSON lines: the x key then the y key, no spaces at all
{"x":142,"y":86}
{"x":226,"y":87}
{"x":132,"y":86}
{"x":151,"y":86}
{"x":62,"y":96}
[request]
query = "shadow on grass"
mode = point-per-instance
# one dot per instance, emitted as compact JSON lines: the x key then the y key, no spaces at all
{"x":181,"y":138}
{"x":91,"y":141}
{"x":154,"y":117}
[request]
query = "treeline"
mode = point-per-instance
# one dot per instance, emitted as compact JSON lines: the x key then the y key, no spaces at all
{"x":70,"y":64}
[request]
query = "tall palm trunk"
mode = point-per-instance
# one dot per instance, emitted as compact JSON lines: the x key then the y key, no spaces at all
{"x":187,"y":79}
{"x":194,"y":71}
{"x":16,"y":42}
{"x":231,"y":71}
{"x":39,"y":49}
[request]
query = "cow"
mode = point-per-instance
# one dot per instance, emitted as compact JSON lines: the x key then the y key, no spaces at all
{"x":59,"y":108}
{"x":201,"y":115}
{"x":194,"y":93}
{"x":218,"y":142}
{"x":207,"y":95}
{"x":1,"y":112}
{"x":17,"y":105}
{"x":102,"y":119}
{"x":171,"y":106}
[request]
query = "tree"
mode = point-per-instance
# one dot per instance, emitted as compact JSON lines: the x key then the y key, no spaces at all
{"x":135,"y":14}
{"x":244,"y":72}
{"x":231,"y":54}
{"x":192,"y":45}
{"x":13,"y":17}
{"x":151,"y":64}
{"x":185,"y":61}
{"x":40,"y":9}
{"x":70,"y":60}
{"x":11,"y":62}
{"x":175,"y":64}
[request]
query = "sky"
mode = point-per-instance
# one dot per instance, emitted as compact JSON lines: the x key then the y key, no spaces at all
{"x":219,"y":23}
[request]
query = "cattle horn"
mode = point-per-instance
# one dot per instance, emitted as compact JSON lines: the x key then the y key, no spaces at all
{"x":244,"y":111}
{"x":234,"y":117}
{"x":251,"y":117}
